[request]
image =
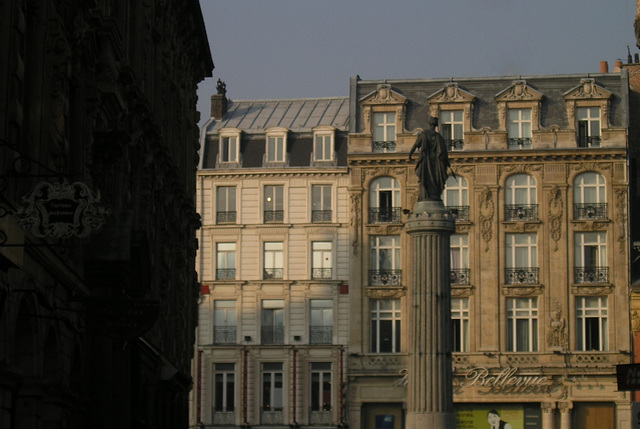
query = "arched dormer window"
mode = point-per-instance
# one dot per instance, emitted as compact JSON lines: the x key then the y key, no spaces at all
{"x":384,"y":200}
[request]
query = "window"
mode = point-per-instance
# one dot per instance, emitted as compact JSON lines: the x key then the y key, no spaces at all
{"x":321,"y":260}
{"x":224,"y":389}
{"x":224,"y":322}
{"x":272,"y":392}
{"x":456,"y":198}
{"x":229,"y":149}
{"x":452,"y":129}
{"x":226,"y":204}
{"x":590,"y":197}
{"x":522,"y":324}
{"x":272,"y":328}
{"x":459,"y":245}
{"x":385,"y":325}
{"x":323,"y":143}
{"x":519,"y":128}
{"x":460,"y":321}
{"x":276,"y":145}
{"x":384,"y":201}
{"x":225,"y":261}
{"x":384,"y":269}
{"x":384,"y":132}
{"x":321,"y":328}
{"x":320,"y":386}
{"x":522,"y":259}
{"x":588,"y":126}
{"x":321,"y":203}
{"x":273,"y":203}
{"x":520,"y":198}
{"x":591,"y":257}
{"x":591,"y":326}
{"x":273,"y":260}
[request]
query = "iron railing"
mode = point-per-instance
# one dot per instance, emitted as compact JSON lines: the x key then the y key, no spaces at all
{"x":273,"y":216}
{"x":454,"y":144}
{"x":595,"y":275}
{"x":523,"y":275}
{"x":590,"y":211}
{"x":224,"y":335}
{"x":520,"y":143}
{"x":225,"y":273}
{"x":321,"y":215}
{"x":272,"y":273}
{"x":521,"y":212}
{"x":459,"y":213}
{"x":385,"y":277}
{"x":588,"y":141}
{"x":320,"y":334}
{"x":272,"y":334}
{"x":226,"y":217}
{"x":460,"y":276}
{"x":384,"y":146}
{"x":385,"y":214}
{"x":321,"y":273}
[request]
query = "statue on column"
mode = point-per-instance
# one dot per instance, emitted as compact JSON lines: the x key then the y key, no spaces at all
{"x":432,"y":164}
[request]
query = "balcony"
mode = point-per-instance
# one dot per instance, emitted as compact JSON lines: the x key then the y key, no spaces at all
{"x":273,"y":216}
{"x":460,"y":213}
{"x":226,"y":217}
{"x":590,"y":211}
{"x":272,"y":273}
{"x":588,"y":141}
{"x":321,"y":334}
{"x":272,"y":334}
{"x":520,"y":143}
{"x":385,"y":277}
{"x":453,"y":145}
{"x":224,"y":335}
{"x":321,"y":273}
{"x":591,"y":275}
{"x":520,"y":212}
{"x":225,"y":274}
{"x":321,"y":216}
{"x":381,"y":147}
{"x":460,"y":276}
{"x":385,"y":215}
{"x":521,"y":276}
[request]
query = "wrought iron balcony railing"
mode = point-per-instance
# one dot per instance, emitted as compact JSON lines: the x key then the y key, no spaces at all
{"x":523,"y":275}
{"x":320,"y":334}
{"x":590,"y":211}
{"x":454,"y":144}
{"x":460,"y":213}
{"x":588,"y":141}
{"x":379,"y":147}
{"x":272,"y":334}
{"x":225,"y":273}
{"x":321,"y":273}
{"x":520,"y":143}
{"x":321,"y":215}
{"x":385,"y":214}
{"x":273,"y":216}
{"x":224,"y":335}
{"x":460,"y":276}
{"x":272,"y":273}
{"x":594,"y":275}
{"x":385,"y":277}
{"x":226,"y":217}
{"x":521,"y":212}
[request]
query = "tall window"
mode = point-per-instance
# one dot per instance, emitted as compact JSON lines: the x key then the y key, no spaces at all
{"x":591,"y":326}
{"x":321,"y":260}
{"x":224,"y":387}
{"x":321,"y":203}
{"x":522,"y":324}
{"x":273,"y":203}
{"x":225,"y":261}
{"x":229,"y":149}
{"x":459,"y":250}
{"x":456,"y":198}
{"x":385,"y":262}
{"x":321,"y":328}
{"x":323,"y":146}
{"x":460,"y":321}
{"x":224,"y":322}
{"x":452,"y":128}
{"x":385,"y":325}
{"x":588,"y":126}
{"x":226,"y":204}
{"x":521,"y":258}
{"x":521,"y":198}
{"x":272,"y":327}
{"x":591,"y":257}
{"x":320,"y":386}
{"x":519,"y":128}
{"x":273,"y":260}
{"x":384,"y":200}
{"x":590,"y":196}
{"x":384,"y":132}
{"x":276,"y":148}
{"x":272,"y":388}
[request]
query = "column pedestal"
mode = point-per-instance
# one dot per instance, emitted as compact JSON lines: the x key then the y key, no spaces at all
{"x":430,"y":381}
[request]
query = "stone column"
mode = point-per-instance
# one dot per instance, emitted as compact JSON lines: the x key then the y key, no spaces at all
{"x":565,"y":414}
{"x":548,"y":408}
{"x":429,"y":388}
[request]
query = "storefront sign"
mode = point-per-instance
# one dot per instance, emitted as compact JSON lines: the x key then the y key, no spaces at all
{"x":61,"y":210}
{"x":506,"y":381}
{"x":628,"y":376}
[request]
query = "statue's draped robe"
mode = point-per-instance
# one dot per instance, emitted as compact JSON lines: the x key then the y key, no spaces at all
{"x":431,"y":167}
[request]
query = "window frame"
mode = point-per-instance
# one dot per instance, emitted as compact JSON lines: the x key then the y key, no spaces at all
{"x":521,"y":200}
{"x":601,"y":315}
{"x":327,"y":134}
{"x":459,"y":187}
{"x":378,"y":274}
{"x":376,"y":319}
{"x":385,"y":213}
{"x":273,"y":203}
{"x":516,"y":272}
{"x":318,"y":389}
{"x":227,"y":392}
{"x":319,"y":258}
{"x":225,"y":263}
{"x":224,"y":136}
{"x":530,"y":313}
{"x":223,"y":201}
{"x":385,"y":127}
{"x":228,"y":332}
{"x":586,"y":270}
{"x":452,"y":128}
{"x":321,"y":207}
{"x":322,"y":333}
{"x":274,"y":311}
{"x":588,"y":208}
{"x":460,"y":320}
{"x":459,"y":244}
{"x":273,"y":259}
{"x":591,"y":137}
{"x":273,"y":136}
{"x":272,"y":397}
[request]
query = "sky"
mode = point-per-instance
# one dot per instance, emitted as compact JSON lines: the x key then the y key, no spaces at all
{"x":275,"y":49}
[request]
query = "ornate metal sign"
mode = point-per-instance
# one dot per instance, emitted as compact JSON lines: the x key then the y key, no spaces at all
{"x":61,"y":210}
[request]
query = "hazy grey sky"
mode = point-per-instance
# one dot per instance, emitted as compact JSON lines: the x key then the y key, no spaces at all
{"x":310,"y":48}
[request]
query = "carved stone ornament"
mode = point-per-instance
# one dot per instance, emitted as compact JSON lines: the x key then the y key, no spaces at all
{"x":61,"y":210}
{"x":355,"y":221}
{"x":621,"y":218}
{"x":522,"y":290}
{"x":588,"y":89}
{"x":558,"y":329}
{"x":487,"y":212}
{"x":461,"y":291}
{"x":519,"y":91}
{"x":592,"y":290}
{"x":385,"y":293}
{"x":635,"y":322}
{"x":556,"y":211}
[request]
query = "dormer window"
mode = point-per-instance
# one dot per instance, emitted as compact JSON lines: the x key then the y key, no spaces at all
{"x":229,"y":152}
{"x":384,"y":112}
{"x":384,"y":132}
{"x":519,"y":128}
{"x":453,"y":106}
{"x":323,"y":145}
{"x":276,"y":147}
{"x":587,"y":110}
{"x":519,"y":114}
{"x":588,"y":126}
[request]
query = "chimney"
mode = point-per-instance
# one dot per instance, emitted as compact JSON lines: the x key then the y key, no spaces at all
{"x":617,"y":66}
{"x":604,"y":67}
{"x":219,"y":101}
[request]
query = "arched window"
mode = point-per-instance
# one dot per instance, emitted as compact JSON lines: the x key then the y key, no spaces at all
{"x":384,"y":200}
{"x":456,"y":197}
{"x":589,"y":196}
{"x":520,"y":198}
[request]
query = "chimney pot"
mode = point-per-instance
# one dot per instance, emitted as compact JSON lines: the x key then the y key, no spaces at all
{"x":604,"y":67}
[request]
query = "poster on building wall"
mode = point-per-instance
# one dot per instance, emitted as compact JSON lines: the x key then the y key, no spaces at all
{"x":496,"y":416}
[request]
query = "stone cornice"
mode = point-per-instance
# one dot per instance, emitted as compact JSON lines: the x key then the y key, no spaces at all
{"x":273,"y":172}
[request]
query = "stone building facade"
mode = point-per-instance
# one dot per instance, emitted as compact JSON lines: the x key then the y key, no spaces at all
{"x":98,"y":145}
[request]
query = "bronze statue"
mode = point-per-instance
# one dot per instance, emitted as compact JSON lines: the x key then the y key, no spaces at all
{"x":432,"y":165}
